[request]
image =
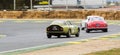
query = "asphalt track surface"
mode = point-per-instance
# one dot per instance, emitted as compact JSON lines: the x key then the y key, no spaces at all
{"x":30,"y":33}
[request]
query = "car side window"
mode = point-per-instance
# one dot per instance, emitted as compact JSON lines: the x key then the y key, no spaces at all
{"x":92,"y":19}
{"x":65,"y":23}
{"x":69,"y":23}
{"x":88,"y":19}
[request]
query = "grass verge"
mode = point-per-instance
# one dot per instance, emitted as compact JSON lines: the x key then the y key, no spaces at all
{"x":109,"y":52}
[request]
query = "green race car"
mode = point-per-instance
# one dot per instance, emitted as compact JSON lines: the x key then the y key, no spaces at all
{"x":62,"y":27}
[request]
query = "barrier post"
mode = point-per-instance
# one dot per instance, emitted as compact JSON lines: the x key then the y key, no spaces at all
{"x":31,"y":4}
{"x":14,"y":5}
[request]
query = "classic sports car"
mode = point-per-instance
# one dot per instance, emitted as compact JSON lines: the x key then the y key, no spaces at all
{"x":94,"y":23}
{"x":62,"y":27}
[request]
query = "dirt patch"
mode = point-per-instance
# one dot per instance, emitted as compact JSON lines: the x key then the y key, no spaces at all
{"x":79,"y":49}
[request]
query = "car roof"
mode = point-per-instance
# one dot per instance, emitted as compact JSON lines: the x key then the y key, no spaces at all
{"x":58,"y":21}
{"x":92,"y":16}
{"x":95,"y":17}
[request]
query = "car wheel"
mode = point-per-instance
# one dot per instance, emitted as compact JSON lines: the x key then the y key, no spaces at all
{"x":82,"y":28}
{"x":49,"y":36}
{"x":105,"y":30}
{"x":58,"y":36}
{"x":68,"y":34}
{"x":77,"y":35}
{"x":87,"y":31}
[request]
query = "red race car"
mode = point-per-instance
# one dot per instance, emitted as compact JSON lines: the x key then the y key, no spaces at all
{"x":96,"y":23}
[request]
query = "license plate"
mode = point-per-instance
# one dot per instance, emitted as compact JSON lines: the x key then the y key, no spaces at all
{"x":54,"y":28}
{"x":97,"y":25}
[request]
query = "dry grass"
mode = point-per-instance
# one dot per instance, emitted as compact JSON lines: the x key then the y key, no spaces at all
{"x":79,"y":14}
{"x":78,"y":49}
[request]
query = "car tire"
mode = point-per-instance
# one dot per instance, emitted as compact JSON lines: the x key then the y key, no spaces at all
{"x":105,"y":30}
{"x":87,"y":31}
{"x":77,"y":35}
{"x":68,"y":34}
{"x":49,"y":36}
{"x":82,"y":28}
{"x":58,"y":36}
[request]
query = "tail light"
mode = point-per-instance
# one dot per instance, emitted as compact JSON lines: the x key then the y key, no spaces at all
{"x":61,"y":29}
{"x":88,"y":25}
{"x":48,"y":29}
{"x":105,"y":25}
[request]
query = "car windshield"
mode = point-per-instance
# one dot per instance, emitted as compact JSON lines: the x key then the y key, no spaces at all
{"x":97,"y":19}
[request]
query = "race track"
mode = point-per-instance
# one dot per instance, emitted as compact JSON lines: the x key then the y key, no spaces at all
{"x":23,"y":34}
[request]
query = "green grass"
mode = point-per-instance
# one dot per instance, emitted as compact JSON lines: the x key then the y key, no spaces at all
{"x":109,"y":52}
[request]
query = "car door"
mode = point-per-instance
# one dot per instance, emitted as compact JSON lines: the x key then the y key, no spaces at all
{"x":72,"y":27}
